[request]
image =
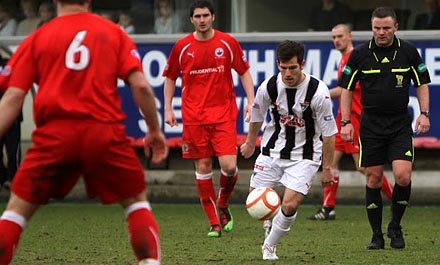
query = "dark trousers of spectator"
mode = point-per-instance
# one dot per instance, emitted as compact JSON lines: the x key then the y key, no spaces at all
{"x":11,"y":142}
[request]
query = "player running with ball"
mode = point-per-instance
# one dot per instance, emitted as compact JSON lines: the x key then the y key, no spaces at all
{"x":299,"y":137}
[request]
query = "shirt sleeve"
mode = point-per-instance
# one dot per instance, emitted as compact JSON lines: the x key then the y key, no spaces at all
{"x":261,"y":103}
{"x":129,"y":57}
{"x":172,"y":69}
{"x":323,"y":106}
{"x":22,"y":71}
{"x":240,"y":63}
{"x":350,"y":73}
{"x":420,"y":72}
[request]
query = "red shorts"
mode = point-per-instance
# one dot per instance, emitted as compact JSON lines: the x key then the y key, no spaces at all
{"x":344,"y":146}
{"x":64,"y":150}
{"x":203,"y":141}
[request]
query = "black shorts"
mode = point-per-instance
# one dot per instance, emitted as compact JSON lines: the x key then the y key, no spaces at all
{"x":385,"y":138}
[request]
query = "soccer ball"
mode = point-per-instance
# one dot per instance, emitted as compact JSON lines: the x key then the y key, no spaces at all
{"x":263,"y":203}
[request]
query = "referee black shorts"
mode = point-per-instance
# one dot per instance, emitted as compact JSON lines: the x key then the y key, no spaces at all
{"x":385,"y":138}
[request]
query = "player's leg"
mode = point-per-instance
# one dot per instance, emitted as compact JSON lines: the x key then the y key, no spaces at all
{"x":207,"y":196}
{"x":374,"y":205}
{"x":387,"y":188}
{"x":265,"y":175}
{"x":12,"y":222}
{"x":281,"y":223}
{"x":224,"y":142}
{"x":401,"y":153}
{"x":228,"y":179}
{"x":297,"y":180}
{"x":327,"y":211}
{"x":197,"y":146}
{"x":113,"y":173}
{"x":143,"y":229}
{"x":401,"y":195}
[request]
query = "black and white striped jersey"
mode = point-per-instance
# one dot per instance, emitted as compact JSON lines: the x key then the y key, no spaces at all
{"x":296,"y":125}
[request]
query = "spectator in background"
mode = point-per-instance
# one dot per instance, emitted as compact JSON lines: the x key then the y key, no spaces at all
{"x":430,"y":19}
{"x":31,"y":20}
{"x":166,"y":22}
{"x":108,"y":15}
{"x":47,"y":11}
{"x":125,"y":23}
{"x":330,"y":13}
{"x":8,"y":23}
{"x":12,"y":138}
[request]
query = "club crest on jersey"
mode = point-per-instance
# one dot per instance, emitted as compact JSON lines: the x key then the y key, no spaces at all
{"x":135,"y":54}
{"x":304,"y":106}
{"x":219,"y":52}
{"x":5,"y":71}
{"x":292,"y":121}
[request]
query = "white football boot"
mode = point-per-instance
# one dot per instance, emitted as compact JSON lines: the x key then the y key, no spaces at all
{"x":269,"y":252}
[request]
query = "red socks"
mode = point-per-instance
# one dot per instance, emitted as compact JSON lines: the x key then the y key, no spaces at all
{"x":144,"y":234}
{"x":205,"y":187}
{"x":227,"y":185}
{"x":387,"y":188}
{"x":9,"y":236}
{"x":329,"y":199}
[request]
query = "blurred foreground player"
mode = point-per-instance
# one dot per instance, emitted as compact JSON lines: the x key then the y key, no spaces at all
{"x":76,"y":59}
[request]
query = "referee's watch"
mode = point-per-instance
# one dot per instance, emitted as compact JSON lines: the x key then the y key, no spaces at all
{"x":426,"y":113}
{"x":345,"y":122}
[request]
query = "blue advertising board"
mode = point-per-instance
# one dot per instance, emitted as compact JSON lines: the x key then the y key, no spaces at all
{"x":321,"y":61}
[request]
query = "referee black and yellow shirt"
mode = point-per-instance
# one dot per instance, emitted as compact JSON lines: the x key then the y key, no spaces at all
{"x":385,"y":75}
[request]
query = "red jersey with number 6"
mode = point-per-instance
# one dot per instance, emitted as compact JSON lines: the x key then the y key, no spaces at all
{"x":76,"y":85}
{"x":208,"y":95}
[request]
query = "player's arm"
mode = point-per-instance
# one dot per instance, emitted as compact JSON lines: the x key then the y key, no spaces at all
{"x":335,"y":92}
{"x":347,"y":131}
{"x":247,"y":149}
{"x":10,"y":107}
{"x":144,"y":98}
{"x":328,"y":147}
{"x":248,"y":86}
{"x":168,"y":91}
{"x":422,"y":123}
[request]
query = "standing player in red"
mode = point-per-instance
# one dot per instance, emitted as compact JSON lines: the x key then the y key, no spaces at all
{"x":205,"y":59}
{"x":76,"y":59}
{"x":342,"y":39}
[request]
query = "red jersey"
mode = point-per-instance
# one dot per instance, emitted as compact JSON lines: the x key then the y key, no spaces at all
{"x":75,"y":62}
{"x":356,"y":106}
{"x":208,"y":95}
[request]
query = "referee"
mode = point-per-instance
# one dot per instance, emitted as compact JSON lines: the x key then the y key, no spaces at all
{"x":385,"y":67}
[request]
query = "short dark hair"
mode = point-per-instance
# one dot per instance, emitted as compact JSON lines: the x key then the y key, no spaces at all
{"x":288,"y":49}
{"x":201,"y":4}
{"x":383,"y":12}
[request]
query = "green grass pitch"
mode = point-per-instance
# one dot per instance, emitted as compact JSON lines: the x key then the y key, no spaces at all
{"x":94,"y":234}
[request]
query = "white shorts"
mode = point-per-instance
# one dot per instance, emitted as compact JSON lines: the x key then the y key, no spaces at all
{"x":295,"y":175}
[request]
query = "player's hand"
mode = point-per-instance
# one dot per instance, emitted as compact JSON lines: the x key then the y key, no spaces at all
{"x":347,"y":133}
{"x":247,"y":149}
{"x":422,"y":125}
{"x":155,"y":142}
{"x":170,"y":118}
{"x":327,"y":177}
{"x":247,"y":117}
{"x":247,"y":112}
